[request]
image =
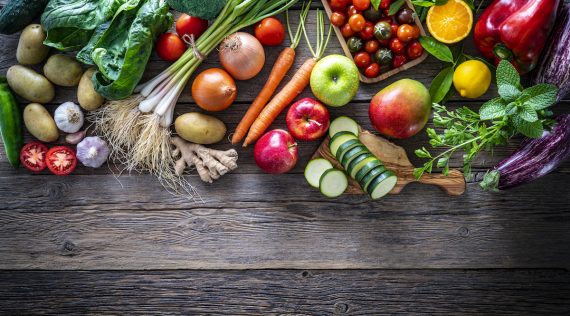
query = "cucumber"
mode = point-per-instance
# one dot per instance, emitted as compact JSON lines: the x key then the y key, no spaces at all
{"x":357,"y":164}
{"x":346,"y":146}
{"x":366,"y":169}
{"x":339,"y":139}
{"x":333,"y":183}
{"x":341,"y":154}
{"x":365,"y":182}
{"x":315,"y":169}
{"x":352,"y":154}
{"x":382,"y":185}
{"x":343,"y":123}
{"x":17,"y":14}
{"x":10,"y":124}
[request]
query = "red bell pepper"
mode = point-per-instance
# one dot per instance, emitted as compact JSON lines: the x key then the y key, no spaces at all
{"x":515,"y":30}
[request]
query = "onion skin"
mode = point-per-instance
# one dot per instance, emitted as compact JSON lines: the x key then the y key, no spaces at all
{"x":214,"y":90}
{"x":242,"y":55}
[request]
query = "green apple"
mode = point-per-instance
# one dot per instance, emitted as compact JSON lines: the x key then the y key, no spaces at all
{"x":335,"y":80}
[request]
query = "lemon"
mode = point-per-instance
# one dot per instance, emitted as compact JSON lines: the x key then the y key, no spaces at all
{"x":472,"y":79}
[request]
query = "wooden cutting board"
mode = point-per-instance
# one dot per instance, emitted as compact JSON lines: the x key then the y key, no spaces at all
{"x":395,"y":159}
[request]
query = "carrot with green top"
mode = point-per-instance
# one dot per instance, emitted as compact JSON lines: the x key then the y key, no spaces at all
{"x":294,"y":87}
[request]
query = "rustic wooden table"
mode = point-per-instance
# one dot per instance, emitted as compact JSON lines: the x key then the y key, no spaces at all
{"x":264,"y":244}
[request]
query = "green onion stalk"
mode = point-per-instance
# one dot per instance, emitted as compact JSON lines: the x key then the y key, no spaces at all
{"x":137,"y":128}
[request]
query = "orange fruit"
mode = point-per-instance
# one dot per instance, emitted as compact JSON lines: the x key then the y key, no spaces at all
{"x":451,"y":22}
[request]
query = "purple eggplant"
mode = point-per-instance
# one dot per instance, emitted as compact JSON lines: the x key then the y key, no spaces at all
{"x":534,"y":158}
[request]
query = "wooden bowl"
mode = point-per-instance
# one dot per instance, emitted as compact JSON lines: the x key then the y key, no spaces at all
{"x":392,"y":72}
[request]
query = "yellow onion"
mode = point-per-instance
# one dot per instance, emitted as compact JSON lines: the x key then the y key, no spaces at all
{"x":242,"y":55}
{"x":214,"y":90}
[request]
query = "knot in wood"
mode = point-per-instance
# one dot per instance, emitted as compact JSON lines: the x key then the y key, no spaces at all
{"x":463,"y":231}
{"x":69,"y":248}
{"x":340,"y":308}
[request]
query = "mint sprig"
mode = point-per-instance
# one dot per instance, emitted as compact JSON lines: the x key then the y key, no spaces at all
{"x":515,"y":111}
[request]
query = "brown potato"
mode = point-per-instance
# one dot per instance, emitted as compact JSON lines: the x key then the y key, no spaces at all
{"x":29,"y":84}
{"x":31,"y":49}
{"x":63,"y":70}
{"x":88,"y":98}
{"x":200,"y":128}
{"x":40,"y":123}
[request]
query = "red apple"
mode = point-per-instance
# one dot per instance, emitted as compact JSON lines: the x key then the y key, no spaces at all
{"x":401,"y":109}
{"x":307,"y":119}
{"x":276,"y":152}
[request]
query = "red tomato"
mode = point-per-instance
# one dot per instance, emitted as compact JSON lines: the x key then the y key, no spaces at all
{"x":371,"y":46}
{"x":405,"y":33}
{"x":357,"y":22}
{"x":61,"y":160}
{"x":384,"y":4}
{"x":414,"y":49}
{"x":362,"y":59}
{"x":338,"y":19}
{"x":394,"y":27}
{"x":398,"y":61}
{"x":270,"y":32}
{"x":372,"y":71}
{"x":416,"y":32}
{"x":361,"y":4}
{"x":347,"y":31}
{"x":191,"y":25}
{"x":33,"y":156}
{"x":170,"y":47}
{"x":384,"y":43}
{"x":338,"y":5}
{"x":352,"y":10}
{"x":396,"y":46}
{"x":368,"y":32}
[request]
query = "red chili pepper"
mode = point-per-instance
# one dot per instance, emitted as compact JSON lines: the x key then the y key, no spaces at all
{"x":515,"y":30}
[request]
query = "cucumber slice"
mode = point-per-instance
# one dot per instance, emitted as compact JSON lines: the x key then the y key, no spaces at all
{"x":346,"y":146}
{"x":352,"y":154}
{"x":333,"y":183}
{"x":371,"y":176}
{"x":315,"y":169}
{"x":343,"y":123}
{"x":382,"y":185}
{"x":339,"y":139}
{"x":366,"y":169}
{"x":357,"y":164}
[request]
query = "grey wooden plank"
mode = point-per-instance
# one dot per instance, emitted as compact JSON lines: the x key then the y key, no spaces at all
{"x":262,"y":221}
{"x":288,"y":292}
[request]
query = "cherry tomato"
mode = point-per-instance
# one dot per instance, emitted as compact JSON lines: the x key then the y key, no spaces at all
{"x":347,"y":31}
{"x":396,"y":46}
{"x":61,"y":160}
{"x":270,"y":31}
{"x":384,"y":43}
{"x":371,"y":46}
{"x":405,"y":16}
{"x":414,"y":49}
{"x":357,"y":22}
{"x":384,"y":57}
{"x":398,"y":61}
{"x":33,"y":156}
{"x":372,"y":14}
{"x":394,"y":28}
{"x":338,"y":5}
{"x":405,"y":33}
{"x":354,"y":44}
{"x":368,"y":32}
{"x":361,"y":4}
{"x":382,"y":30}
{"x":384,"y":4}
{"x":416,"y":31}
{"x":191,"y":25}
{"x":170,"y":47}
{"x":372,"y":71}
{"x":338,"y":19}
{"x":352,"y":10}
{"x":362,"y":59}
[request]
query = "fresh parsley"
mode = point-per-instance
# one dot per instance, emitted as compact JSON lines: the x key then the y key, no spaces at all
{"x":515,"y":111}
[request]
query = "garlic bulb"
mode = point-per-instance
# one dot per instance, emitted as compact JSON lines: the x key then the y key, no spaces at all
{"x":68,"y":117}
{"x":92,"y":151}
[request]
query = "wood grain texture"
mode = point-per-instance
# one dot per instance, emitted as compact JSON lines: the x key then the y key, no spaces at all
{"x":403,"y":292}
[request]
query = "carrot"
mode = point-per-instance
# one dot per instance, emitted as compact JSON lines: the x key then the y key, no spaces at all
{"x":294,"y":87}
{"x":280,"y":68}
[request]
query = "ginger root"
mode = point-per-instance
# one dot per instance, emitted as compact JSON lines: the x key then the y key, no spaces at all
{"x":210,"y":164}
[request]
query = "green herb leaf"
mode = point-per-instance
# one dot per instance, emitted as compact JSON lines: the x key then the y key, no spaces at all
{"x":492,"y":109}
{"x":507,"y":75}
{"x":395,"y":6}
{"x":470,"y":4}
{"x":527,"y":113}
{"x":509,"y":92}
{"x":437,"y":49}
{"x":528,"y":129}
{"x":424,"y":4}
{"x":418,"y":172}
{"x":540,"y":96}
{"x":422,"y":153}
{"x":440,"y":2}
{"x":441,"y":84}
{"x":375,"y":3}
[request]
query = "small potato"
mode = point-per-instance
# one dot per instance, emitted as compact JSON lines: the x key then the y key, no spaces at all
{"x":29,"y":84}
{"x":88,"y":98}
{"x":63,"y":70}
{"x":200,"y":128}
{"x":31,"y":49}
{"x":39,"y":123}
